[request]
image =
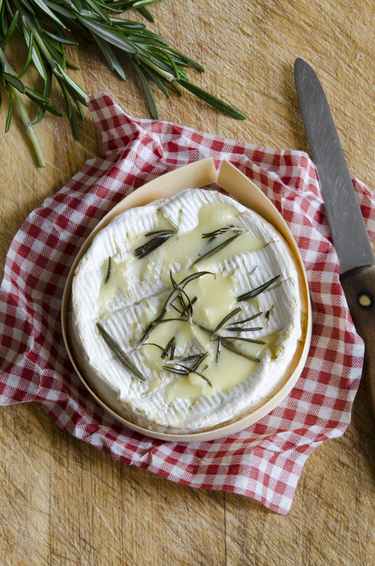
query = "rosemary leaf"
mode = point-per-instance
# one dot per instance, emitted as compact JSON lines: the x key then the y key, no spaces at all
{"x":119,"y":353}
{"x":250,"y":318}
{"x":147,"y":14}
{"x":267,"y":315}
{"x":10,"y":109}
{"x":216,"y":249}
{"x":160,"y":233}
{"x":229,"y":346}
{"x":170,"y":347}
{"x":10,"y":31}
{"x":147,"y":92}
{"x":28,"y":58}
{"x":240,"y":329}
{"x":254,"y":292}
{"x":225,"y":319}
{"x":251,"y":340}
{"x":153,"y":324}
{"x":218,"y":348}
{"x":202,"y":376}
{"x":193,"y":276}
{"x":161,"y":236}
{"x":164,"y":350}
{"x":180,"y":369}
{"x":109,"y":270}
{"x":212,"y":235}
{"x":14,"y":81}
{"x":195,"y":359}
{"x":212,"y":100}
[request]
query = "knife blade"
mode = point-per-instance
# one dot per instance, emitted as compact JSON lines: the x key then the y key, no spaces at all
{"x":349,"y":234}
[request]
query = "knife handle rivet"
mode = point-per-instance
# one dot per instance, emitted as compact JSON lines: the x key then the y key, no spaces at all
{"x":365,"y":300}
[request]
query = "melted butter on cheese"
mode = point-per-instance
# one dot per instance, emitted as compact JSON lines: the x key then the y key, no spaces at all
{"x":138,"y":287}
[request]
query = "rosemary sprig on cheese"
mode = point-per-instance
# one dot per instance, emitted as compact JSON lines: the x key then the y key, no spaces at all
{"x":160,"y":236}
{"x":119,"y":352}
{"x":226,"y":343}
{"x":180,"y":365}
{"x":212,"y":235}
{"x":254,"y":292}
{"x":109,"y":270}
{"x":216,"y":249}
{"x":177,"y":292}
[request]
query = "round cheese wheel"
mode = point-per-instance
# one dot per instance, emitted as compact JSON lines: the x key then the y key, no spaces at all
{"x":186,"y":313}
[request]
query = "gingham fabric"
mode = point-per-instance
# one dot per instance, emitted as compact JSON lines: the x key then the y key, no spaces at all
{"x":264,"y":461}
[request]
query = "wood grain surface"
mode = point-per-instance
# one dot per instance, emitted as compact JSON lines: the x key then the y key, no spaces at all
{"x":63,"y":502}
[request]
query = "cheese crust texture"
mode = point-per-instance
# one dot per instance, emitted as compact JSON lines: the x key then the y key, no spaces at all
{"x":202,"y":296}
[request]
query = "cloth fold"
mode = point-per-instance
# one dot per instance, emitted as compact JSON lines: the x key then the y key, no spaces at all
{"x":264,"y":461}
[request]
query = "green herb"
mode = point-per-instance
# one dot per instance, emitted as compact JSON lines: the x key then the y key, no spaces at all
{"x":161,"y":236}
{"x":226,"y":343}
{"x":109,"y":270}
{"x":195,"y":359}
{"x":164,"y":354}
{"x":240,"y":329}
{"x":252,"y":340}
{"x":119,"y":353}
{"x":178,"y":290}
{"x":254,"y":292}
{"x":44,"y":25}
{"x":218,"y":348}
{"x":267,"y":315}
{"x":154,"y":323}
{"x":212,"y":235}
{"x":223,"y":340}
{"x":250,"y":318}
{"x":170,"y":347}
{"x":216,"y":249}
{"x":181,"y":369}
{"x":225,"y":320}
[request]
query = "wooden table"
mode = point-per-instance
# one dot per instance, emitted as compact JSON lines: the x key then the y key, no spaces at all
{"x":63,"y":502}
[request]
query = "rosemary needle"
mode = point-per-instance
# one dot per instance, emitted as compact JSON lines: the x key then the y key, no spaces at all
{"x":226,"y":319}
{"x":119,"y":353}
{"x":160,"y":236}
{"x":109,"y":270}
{"x":231,"y":228}
{"x":254,"y":292}
{"x":216,"y":249}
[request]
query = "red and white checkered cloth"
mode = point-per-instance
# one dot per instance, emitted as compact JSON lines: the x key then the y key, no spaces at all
{"x":264,"y":461}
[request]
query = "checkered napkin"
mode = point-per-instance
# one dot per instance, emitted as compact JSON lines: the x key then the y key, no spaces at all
{"x":265,"y":460}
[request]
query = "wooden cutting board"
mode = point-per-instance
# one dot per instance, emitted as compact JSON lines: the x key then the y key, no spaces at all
{"x":64,"y":502}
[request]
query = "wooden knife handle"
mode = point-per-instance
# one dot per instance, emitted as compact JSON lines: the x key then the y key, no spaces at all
{"x":359,"y":288}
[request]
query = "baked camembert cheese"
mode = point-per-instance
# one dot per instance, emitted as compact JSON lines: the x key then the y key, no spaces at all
{"x":186,"y":313}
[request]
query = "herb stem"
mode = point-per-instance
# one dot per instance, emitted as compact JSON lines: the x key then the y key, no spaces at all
{"x":119,"y":352}
{"x":22,"y":110}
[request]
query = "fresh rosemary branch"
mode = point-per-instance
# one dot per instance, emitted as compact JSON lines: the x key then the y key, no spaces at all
{"x":47,"y":27}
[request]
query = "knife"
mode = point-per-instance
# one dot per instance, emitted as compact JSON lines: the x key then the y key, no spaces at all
{"x":349,"y":235}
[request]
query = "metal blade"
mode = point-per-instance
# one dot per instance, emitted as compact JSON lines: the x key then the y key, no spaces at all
{"x":343,"y":212}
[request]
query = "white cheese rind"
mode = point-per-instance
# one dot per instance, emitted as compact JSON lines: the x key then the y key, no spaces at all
{"x":124,"y":316}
